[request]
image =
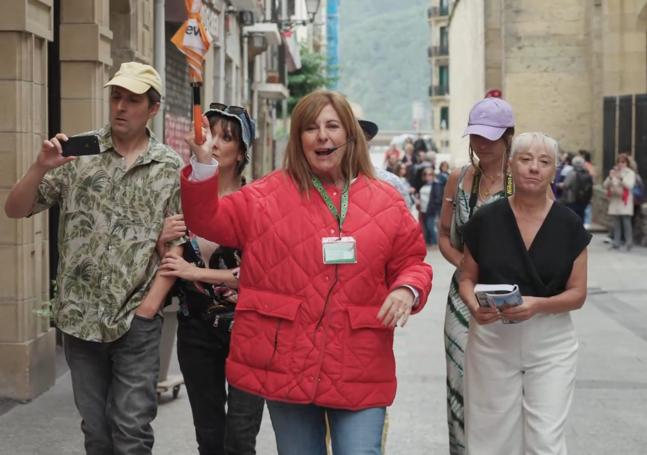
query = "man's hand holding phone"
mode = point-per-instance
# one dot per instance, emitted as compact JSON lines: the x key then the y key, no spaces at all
{"x":51,"y":153}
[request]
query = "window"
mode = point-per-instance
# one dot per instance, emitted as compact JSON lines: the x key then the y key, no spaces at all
{"x":444,"y":117}
{"x":444,"y":38}
{"x":443,"y":79}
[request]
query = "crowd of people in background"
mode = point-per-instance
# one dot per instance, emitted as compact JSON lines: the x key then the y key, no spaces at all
{"x":424,"y":178}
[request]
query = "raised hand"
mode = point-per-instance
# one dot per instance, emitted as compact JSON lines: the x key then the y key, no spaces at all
{"x":202,"y":151}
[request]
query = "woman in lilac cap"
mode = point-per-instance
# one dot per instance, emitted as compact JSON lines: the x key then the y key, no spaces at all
{"x":484,"y":180}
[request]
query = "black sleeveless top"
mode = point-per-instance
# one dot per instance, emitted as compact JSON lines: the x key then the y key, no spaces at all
{"x":496,"y":244}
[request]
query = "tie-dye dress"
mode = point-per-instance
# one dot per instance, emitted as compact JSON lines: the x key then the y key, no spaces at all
{"x":457,"y":318}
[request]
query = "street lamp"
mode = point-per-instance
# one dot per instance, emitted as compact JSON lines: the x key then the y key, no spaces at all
{"x":312,"y":6}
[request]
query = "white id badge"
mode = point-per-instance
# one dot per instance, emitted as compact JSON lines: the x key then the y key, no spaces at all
{"x":339,"y":250}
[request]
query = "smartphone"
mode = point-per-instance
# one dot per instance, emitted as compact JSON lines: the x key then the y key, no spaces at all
{"x":81,"y":145}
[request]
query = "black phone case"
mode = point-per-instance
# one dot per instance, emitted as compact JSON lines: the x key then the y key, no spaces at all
{"x":81,"y":145}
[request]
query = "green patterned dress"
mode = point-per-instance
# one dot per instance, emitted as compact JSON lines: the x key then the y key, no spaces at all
{"x":457,"y":318}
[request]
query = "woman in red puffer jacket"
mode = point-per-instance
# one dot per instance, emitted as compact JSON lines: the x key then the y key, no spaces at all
{"x":333,"y":263}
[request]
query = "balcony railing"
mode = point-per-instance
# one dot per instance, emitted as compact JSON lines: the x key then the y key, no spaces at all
{"x":438,"y":90}
{"x":437,"y":11}
{"x":438,"y":51}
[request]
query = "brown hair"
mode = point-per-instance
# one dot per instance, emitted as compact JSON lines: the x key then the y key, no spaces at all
{"x":626,"y":158}
{"x":233,"y":127}
{"x":356,"y":159}
{"x":153,"y":96}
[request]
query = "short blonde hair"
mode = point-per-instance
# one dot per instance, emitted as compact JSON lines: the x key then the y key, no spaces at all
{"x":524,"y":141}
{"x":356,"y":159}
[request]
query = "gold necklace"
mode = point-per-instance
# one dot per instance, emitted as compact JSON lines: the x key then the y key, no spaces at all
{"x":484,"y":190}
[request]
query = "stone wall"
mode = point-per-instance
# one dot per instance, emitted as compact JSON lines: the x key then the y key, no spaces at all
{"x":26,"y":342}
{"x":547,"y":69}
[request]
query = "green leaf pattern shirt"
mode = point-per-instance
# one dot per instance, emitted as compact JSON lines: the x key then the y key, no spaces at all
{"x":110,"y":219}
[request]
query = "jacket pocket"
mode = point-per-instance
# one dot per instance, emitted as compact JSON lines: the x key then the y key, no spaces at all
{"x":264,"y":329}
{"x":368,"y":347}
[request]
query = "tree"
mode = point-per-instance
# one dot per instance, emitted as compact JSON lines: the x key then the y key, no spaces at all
{"x":310,"y":77}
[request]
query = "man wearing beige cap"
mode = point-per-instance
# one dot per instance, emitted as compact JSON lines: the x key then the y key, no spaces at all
{"x":112,"y":206}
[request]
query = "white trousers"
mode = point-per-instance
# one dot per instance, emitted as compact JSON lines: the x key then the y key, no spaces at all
{"x":519,"y":381}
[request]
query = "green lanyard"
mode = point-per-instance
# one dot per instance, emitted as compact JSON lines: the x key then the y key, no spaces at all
{"x":340,"y":217}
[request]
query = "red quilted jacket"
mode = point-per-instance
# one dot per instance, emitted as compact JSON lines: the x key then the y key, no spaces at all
{"x":306,"y":332}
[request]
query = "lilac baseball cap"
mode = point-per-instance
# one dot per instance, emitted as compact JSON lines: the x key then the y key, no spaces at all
{"x":489,"y":118}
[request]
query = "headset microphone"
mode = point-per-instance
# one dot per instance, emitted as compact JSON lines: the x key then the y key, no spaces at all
{"x":332,"y":149}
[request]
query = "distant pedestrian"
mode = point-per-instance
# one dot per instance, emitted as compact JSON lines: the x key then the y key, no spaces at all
{"x":588,"y":211}
{"x":430,"y":202}
{"x":520,"y":377}
{"x":443,"y":173}
{"x":483,"y":181}
{"x":110,"y":292}
{"x":619,"y":185}
{"x":391,"y":157}
{"x":577,"y":188}
{"x":564,"y":167}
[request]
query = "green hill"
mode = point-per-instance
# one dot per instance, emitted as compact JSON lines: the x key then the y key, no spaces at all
{"x":383,"y":58}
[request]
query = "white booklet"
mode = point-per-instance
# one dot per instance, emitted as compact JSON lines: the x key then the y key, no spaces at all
{"x":499,"y":297}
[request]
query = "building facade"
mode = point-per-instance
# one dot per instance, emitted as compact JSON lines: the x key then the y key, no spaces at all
{"x":577,"y":72}
{"x":438,"y":56}
{"x":55,"y":58}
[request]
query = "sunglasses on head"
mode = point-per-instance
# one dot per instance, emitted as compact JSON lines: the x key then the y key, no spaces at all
{"x":236,"y":110}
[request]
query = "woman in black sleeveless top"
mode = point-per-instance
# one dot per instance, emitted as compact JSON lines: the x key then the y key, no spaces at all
{"x":519,"y":377}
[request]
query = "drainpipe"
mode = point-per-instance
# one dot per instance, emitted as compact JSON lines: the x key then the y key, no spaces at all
{"x":159,"y":61}
{"x":245,"y":71}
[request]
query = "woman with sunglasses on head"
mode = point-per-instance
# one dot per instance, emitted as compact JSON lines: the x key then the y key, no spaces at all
{"x":520,"y":360}
{"x":333,"y":262}
{"x":207,"y":287}
{"x":484,"y":180}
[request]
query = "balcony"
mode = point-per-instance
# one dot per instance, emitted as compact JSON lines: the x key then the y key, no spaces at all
{"x":438,"y":51}
{"x":437,"y":11}
{"x":438,"y":90}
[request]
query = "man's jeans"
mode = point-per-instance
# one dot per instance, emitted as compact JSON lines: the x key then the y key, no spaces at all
{"x":301,"y":429}
{"x":114,"y":388}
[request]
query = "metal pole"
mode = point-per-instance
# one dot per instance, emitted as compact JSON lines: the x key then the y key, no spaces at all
{"x":245,"y":71}
{"x":159,"y":61}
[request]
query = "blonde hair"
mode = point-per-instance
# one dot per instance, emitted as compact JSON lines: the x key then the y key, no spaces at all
{"x":524,"y":141}
{"x":356,"y":158}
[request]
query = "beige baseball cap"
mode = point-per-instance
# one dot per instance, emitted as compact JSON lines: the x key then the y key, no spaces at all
{"x":137,"y":78}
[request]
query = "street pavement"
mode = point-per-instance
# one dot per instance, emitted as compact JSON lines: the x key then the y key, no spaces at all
{"x":608,"y":416}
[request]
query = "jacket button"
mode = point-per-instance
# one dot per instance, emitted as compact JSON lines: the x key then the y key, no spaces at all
{"x":332,"y":231}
